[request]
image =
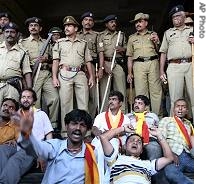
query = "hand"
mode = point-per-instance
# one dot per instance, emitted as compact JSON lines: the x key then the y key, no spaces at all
{"x":26,"y":121}
{"x":11,"y":143}
{"x":163,"y":78}
{"x":191,"y":40}
{"x":91,"y":82}
{"x":130,"y":78}
{"x":42,"y":164}
{"x":42,"y":59}
{"x":119,"y":49}
{"x":56,"y":82}
{"x":128,"y":128}
{"x":154,"y":37}
{"x":155,"y":132}
{"x":176,"y":159}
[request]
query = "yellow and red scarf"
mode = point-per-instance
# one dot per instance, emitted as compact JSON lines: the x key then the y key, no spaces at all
{"x":183,"y":131}
{"x":141,"y":126}
{"x":114,"y":124}
{"x":91,"y":169}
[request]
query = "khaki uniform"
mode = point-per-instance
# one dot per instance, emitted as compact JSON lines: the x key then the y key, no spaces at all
{"x":43,"y":86}
{"x":176,"y":46}
{"x":107,"y":43}
{"x":10,"y":62}
{"x":72,"y":56}
{"x":145,"y":68}
{"x":92,"y":41}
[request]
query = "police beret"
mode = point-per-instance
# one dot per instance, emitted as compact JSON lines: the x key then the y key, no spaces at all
{"x":87,"y":14}
{"x":33,"y":20}
{"x":3,"y":14}
{"x":70,"y":20}
{"x":176,"y":9}
{"x":139,"y":16}
{"x":109,"y":18}
{"x":55,"y":30}
{"x":10,"y":25}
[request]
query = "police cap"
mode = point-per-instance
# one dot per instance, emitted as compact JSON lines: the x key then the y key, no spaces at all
{"x":11,"y":25}
{"x":33,"y":20}
{"x":70,"y":20}
{"x":55,"y":30}
{"x":4,"y":14}
{"x":176,"y":9}
{"x":109,"y":18}
{"x":87,"y":14}
{"x":140,"y":16}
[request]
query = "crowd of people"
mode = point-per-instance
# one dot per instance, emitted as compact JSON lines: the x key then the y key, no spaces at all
{"x":77,"y":86}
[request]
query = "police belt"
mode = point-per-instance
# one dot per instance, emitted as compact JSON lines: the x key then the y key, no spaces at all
{"x":145,"y":59}
{"x":43,"y":67}
{"x":182,"y":60}
{"x":118,"y":59}
{"x":71,"y":68}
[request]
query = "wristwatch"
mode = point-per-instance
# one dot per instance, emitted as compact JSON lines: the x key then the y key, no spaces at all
{"x":102,"y":67}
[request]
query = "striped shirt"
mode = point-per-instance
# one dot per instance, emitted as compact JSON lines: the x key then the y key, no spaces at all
{"x":130,"y":170}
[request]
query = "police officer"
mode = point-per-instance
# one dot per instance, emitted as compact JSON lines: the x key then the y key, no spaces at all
{"x":56,"y":34}
{"x":91,"y":37}
{"x":107,"y":46}
{"x":14,"y":62}
{"x":177,"y":49}
{"x":143,"y":61}
{"x":70,"y":57}
{"x":4,"y":19}
{"x":43,"y":85}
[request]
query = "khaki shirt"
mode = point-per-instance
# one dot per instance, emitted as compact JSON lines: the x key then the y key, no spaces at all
{"x":34,"y":47}
{"x":10,"y":61}
{"x":175,"y":43}
{"x":8,"y":132}
{"x":140,"y":45}
{"x":107,"y":43}
{"x":92,"y":41}
{"x":71,"y":53}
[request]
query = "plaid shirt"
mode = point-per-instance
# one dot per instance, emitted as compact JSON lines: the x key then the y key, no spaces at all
{"x":174,"y":138}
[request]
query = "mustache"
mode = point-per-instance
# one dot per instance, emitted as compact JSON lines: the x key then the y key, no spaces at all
{"x":77,"y":132}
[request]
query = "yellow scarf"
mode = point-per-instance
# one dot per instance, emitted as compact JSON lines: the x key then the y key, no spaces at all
{"x":141,"y":126}
{"x":140,"y":118}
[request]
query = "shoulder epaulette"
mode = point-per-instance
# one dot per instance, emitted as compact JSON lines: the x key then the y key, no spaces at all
{"x":61,"y":39}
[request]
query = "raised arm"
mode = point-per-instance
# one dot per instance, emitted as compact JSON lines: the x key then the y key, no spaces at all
{"x":107,"y":136}
{"x":167,"y":153}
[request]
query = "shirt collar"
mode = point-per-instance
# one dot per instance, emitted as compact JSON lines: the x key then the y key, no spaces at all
{"x":63,"y":147}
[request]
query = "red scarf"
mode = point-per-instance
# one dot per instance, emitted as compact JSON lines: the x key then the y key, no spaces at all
{"x":91,"y":169}
{"x":183,"y":131}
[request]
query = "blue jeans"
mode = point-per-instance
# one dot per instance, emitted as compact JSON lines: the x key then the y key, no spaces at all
{"x":175,"y":173}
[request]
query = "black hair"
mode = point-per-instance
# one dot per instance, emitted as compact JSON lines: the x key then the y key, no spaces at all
{"x":13,"y":100}
{"x":143,"y":98}
{"x":32,"y":91}
{"x":79,"y":115}
{"x":129,"y":136}
{"x":118,"y":94}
